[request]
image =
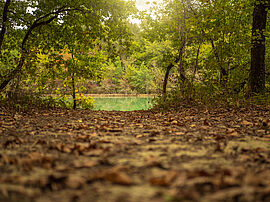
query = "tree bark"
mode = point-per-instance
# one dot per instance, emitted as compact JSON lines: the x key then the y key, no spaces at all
{"x":257,"y":70}
{"x":13,"y":73}
{"x":4,"y":21}
{"x":165,"y":82}
{"x":170,"y":66}
{"x":73,"y":82}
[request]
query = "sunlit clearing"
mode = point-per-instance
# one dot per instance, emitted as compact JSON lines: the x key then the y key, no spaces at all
{"x":146,"y":4}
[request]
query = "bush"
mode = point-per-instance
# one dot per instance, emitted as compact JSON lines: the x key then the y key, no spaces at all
{"x":24,"y":101}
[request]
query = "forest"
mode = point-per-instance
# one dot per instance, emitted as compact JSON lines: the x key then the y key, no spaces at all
{"x":199,"y":52}
{"x":205,"y":64}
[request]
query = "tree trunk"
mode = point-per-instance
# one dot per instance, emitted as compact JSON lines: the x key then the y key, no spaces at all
{"x":4,"y":21}
{"x":74,"y":91}
{"x":37,"y":23}
{"x":12,"y":74}
{"x":171,"y":65}
{"x":181,"y":50}
{"x":257,"y":70}
{"x":73,"y":81}
{"x":165,"y":82}
{"x":222,"y":70}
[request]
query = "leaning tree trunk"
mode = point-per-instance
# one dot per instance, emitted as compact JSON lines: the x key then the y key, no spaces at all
{"x":41,"y":21}
{"x":12,"y":74}
{"x":181,"y":50}
{"x":170,"y":66}
{"x":257,"y":70}
{"x":165,"y":82}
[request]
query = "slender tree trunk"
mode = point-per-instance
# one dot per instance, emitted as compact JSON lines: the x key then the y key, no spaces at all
{"x":183,"y":38}
{"x":223,"y":71}
{"x":181,"y":33}
{"x":73,"y":82}
{"x":257,"y":70}
{"x":170,"y":66}
{"x":165,"y":82}
{"x":4,"y":21}
{"x":196,"y":63}
{"x":182,"y":77}
{"x":74,"y":91}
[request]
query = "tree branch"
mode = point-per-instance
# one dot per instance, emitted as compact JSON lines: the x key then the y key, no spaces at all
{"x":37,"y":23}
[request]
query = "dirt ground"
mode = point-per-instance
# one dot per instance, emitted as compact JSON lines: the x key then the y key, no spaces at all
{"x":145,"y":156}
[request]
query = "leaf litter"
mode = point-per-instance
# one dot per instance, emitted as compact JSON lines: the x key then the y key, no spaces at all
{"x":187,"y":155}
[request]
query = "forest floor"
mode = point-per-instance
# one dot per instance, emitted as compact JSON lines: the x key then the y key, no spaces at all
{"x":149,"y":156}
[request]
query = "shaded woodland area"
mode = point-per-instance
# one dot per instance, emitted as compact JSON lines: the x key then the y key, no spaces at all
{"x":207,"y":137}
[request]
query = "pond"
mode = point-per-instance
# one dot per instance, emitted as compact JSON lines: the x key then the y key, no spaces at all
{"x":122,"y":103}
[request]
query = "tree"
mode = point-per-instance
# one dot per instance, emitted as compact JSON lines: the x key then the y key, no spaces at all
{"x":257,"y":70}
{"x":27,"y":25}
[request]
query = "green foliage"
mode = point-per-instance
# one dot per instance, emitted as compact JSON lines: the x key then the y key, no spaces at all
{"x":85,"y":102}
{"x":60,"y":42}
{"x":65,"y":101}
{"x":140,"y":79}
{"x":68,"y":45}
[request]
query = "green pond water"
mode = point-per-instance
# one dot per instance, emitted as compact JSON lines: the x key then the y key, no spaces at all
{"x":122,"y":103}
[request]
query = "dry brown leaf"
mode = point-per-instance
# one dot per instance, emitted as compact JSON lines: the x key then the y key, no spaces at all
{"x":230,"y":130}
{"x":6,"y":188}
{"x":165,"y":179}
{"x":139,"y":125}
{"x":118,"y":177}
{"x":205,"y":127}
{"x":246,"y":123}
{"x":206,"y":122}
{"x":75,"y":181}
{"x":233,"y":134}
{"x":153,"y":161}
{"x":139,"y":136}
{"x":94,"y":152}
{"x":67,"y":148}
{"x":81,"y":147}
{"x":83,"y":126}
{"x":261,"y":132}
{"x":179,"y":133}
{"x":85,"y":164}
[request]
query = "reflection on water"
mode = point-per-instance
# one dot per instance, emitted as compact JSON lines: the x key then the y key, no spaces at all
{"x":122,"y":103}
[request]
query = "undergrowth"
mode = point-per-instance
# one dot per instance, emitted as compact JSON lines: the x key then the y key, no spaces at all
{"x":178,"y":99}
{"x":24,"y":101}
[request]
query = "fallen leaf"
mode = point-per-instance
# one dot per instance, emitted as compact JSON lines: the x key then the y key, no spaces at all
{"x":85,"y":164}
{"x":75,"y":181}
{"x":180,"y":133}
{"x":118,"y":178}
{"x":206,"y":123}
{"x":246,"y":123}
{"x":233,"y":134}
{"x":165,"y":179}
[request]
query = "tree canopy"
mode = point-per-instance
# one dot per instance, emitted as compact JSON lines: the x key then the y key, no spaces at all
{"x":196,"y":50}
